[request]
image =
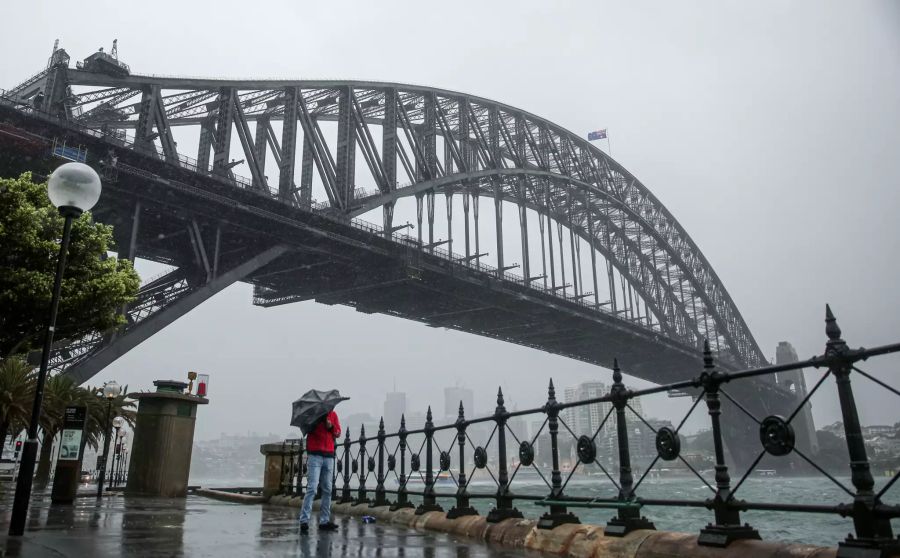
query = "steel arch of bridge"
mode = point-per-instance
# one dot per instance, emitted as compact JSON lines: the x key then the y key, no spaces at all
{"x":489,"y":150}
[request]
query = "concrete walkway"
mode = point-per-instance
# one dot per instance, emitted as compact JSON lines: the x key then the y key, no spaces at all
{"x":198,"y":526}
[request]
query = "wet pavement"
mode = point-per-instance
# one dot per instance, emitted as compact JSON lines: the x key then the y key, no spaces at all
{"x":197,"y":526}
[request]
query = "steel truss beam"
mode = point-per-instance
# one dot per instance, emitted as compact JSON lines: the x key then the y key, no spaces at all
{"x":160,"y":303}
{"x":600,"y":201}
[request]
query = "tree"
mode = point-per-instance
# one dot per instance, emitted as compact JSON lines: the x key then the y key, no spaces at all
{"x":61,"y":392}
{"x":95,"y":287}
{"x":16,"y":396}
{"x":95,"y":425}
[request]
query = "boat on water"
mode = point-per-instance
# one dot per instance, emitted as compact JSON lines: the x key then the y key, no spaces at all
{"x":441,"y":478}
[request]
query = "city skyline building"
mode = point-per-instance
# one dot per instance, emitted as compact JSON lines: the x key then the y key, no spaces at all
{"x":394,"y":408}
{"x":452,"y":397}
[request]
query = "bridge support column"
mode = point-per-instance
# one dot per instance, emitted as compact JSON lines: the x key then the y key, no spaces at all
{"x":259,"y":147}
{"x":475,"y":216}
{"x":222,"y":136}
{"x":289,"y":148}
{"x":419,"y":217}
{"x":345,"y":160}
{"x":590,"y":221}
{"x":134,"y":335}
{"x":449,"y":203}
{"x":523,"y":232}
{"x":465,"y":202}
{"x":306,"y":170}
{"x":498,"y":221}
{"x":207,"y":132}
{"x":388,"y":215}
{"x":562,"y":258}
{"x":389,"y":139}
{"x":550,"y":237}
{"x":429,"y":202}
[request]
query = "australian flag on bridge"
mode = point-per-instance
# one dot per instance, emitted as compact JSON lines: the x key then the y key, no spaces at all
{"x":597,"y":135}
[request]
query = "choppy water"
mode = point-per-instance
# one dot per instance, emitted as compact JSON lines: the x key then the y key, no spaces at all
{"x":810,"y":528}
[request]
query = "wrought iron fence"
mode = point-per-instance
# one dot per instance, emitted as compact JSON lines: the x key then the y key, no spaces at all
{"x":366,"y":464}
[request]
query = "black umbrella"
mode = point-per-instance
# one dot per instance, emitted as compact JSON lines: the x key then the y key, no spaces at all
{"x":312,"y":406}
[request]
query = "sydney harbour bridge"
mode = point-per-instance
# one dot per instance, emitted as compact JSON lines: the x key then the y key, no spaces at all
{"x":524,"y":232}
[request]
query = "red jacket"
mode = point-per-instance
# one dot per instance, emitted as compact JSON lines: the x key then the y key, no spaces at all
{"x":320,"y":441}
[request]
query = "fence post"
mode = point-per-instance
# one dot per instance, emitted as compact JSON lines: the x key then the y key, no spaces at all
{"x":297,"y":467}
{"x":283,"y":485}
{"x":874,"y":536}
{"x":462,"y":506}
{"x":429,"y":501}
{"x":346,"y":495}
{"x":504,"y":508}
{"x":727,"y":527}
{"x":629,"y":516}
{"x":402,"y":499}
{"x":380,"y":498}
{"x":361,"y":497}
{"x":558,"y":514}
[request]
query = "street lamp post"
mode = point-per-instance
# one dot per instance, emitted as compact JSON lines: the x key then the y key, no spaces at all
{"x":123,"y":464}
{"x":73,"y":188}
{"x":117,"y":424}
{"x":111,"y":390}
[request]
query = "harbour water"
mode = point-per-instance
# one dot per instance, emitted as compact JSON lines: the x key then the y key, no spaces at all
{"x":809,"y":528}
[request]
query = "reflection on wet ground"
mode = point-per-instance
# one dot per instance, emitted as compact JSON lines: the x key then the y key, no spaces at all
{"x":196,"y":526}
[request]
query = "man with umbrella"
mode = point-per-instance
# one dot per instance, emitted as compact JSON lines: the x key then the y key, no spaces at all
{"x":314,"y":414}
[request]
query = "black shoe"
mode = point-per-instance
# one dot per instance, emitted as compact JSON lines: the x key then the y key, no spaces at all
{"x":304,"y":528}
{"x":330,"y":526}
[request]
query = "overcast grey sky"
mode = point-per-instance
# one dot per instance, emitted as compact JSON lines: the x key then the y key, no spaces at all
{"x":769,"y":129}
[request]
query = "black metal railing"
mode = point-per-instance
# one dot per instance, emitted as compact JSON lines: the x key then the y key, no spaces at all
{"x":396,"y":456}
{"x":293,"y":467}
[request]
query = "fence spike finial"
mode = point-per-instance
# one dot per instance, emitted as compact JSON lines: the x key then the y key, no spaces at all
{"x":499,"y":396}
{"x":428,"y":416}
{"x":551,"y":391}
{"x":381,"y":424}
{"x":617,"y":373}
{"x":461,"y":413}
{"x":708,"y":362}
{"x":832,"y":329}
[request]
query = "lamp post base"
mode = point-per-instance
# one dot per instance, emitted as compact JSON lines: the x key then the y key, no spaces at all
{"x":23,"y":488}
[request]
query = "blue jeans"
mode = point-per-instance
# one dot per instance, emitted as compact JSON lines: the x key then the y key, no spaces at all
{"x":319,"y":474}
